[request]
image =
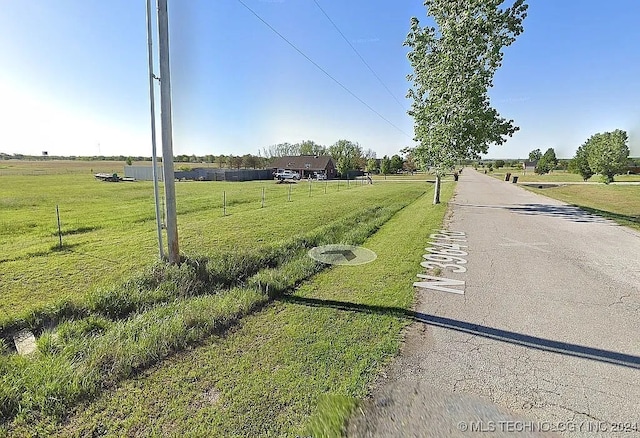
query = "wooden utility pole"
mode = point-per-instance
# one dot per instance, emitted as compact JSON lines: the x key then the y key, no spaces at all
{"x":167,"y":141}
{"x":154,"y":161}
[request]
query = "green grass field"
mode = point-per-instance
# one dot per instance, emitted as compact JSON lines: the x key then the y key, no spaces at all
{"x":109,"y":229}
{"x":617,"y":202}
{"x":555,"y":176}
{"x":105,"y":312}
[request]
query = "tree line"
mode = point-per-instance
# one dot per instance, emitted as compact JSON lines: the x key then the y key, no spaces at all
{"x":605,"y":154}
{"x":348,"y":156}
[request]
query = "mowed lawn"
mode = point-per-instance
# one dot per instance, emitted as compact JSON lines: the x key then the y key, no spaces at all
{"x":109,"y":229}
{"x":554,"y":176}
{"x":618,"y":202}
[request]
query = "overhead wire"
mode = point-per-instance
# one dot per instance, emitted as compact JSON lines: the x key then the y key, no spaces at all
{"x":344,"y":87}
{"x":359,"y":55}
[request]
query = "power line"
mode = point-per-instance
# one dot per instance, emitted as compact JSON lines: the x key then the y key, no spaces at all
{"x":320,"y":68}
{"x":359,"y":55}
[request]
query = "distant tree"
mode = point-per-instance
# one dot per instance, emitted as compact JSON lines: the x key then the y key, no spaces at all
{"x":347,"y":155}
{"x":499,"y":164}
{"x":281,"y":150}
{"x":210,"y":158}
{"x":129,"y":161}
{"x":372,"y":165}
{"x":607,"y":154}
{"x":562,"y":165}
{"x":397,"y":163}
{"x":235,"y":161}
{"x":385,"y":165}
{"x":222,"y":161}
{"x":369,"y":153}
{"x":547,"y":162}
{"x":249,"y":161}
{"x":580,"y":163}
{"x":309,"y":147}
{"x":410,"y":164}
{"x":535,"y":155}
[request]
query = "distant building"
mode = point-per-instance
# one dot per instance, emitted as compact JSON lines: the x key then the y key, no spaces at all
{"x":529,"y":165}
{"x":307,"y":165}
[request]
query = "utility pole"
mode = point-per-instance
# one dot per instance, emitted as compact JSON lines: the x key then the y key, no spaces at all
{"x":167,"y":141}
{"x":154,"y":160}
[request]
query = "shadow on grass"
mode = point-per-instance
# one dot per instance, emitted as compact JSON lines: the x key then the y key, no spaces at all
{"x":622,"y":218}
{"x":581,"y":351}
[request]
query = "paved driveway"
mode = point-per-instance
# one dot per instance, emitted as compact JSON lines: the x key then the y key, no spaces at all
{"x":546,"y":337}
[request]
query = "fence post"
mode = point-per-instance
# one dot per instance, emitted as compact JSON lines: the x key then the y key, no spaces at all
{"x":224,"y":203}
{"x":309,"y":187}
{"x":289,"y":195}
{"x":59,"y":230}
{"x":262,"y":198}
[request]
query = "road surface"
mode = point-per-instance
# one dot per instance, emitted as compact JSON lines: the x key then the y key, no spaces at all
{"x":545,"y":340}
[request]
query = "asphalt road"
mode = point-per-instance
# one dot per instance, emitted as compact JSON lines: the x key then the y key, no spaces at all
{"x":545,"y":340}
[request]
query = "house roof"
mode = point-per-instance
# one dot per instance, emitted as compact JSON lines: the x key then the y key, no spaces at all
{"x":528,"y":163}
{"x":305,"y":162}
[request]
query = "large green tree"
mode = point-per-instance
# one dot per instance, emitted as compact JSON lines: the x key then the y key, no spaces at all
{"x":547,"y":162}
{"x":347,"y":155}
{"x":385,"y":165}
{"x":397,"y":163}
{"x":535,"y":155}
{"x":607,"y":153}
{"x":580,"y":163}
{"x":453,"y":66}
{"x":310,"y":147}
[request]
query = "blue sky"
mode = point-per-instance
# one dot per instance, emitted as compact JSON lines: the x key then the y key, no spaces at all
{"x":73,"y":77}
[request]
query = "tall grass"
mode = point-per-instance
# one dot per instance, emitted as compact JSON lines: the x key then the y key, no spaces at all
{"x":122,"y":330}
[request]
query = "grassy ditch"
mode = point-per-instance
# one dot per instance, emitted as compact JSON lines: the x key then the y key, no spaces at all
{"x":295,"y":368}
{"x":126,"y":329}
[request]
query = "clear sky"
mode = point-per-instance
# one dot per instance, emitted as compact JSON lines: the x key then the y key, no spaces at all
{"x":73,"y":75}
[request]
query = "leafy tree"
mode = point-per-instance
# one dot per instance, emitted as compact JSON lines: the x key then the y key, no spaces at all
{"x":222,"y":160}
{"x":234,"y":161}
{"x":547,"y":162}
{"x":580,"y":163}
{"x":409,"y":160}
{"x":281,"y":150}
{"x":453,"y":66}
{"x":129,"y":161}
{"x":372,"y":165}
{"x":535,"y":155}
{"x":385,"y":165}
{"x":499,"y":164}
{"x":550,"y":157}
{"x":309,"y":147}
{"x":607,"y":154}
{"x":249,"y":161}
{"x":396,"y":163}
{"x":348,"y":156}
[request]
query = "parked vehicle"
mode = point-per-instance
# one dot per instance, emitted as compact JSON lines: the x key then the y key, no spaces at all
{"x":320,"y":175}
{"x":282,"y":174}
